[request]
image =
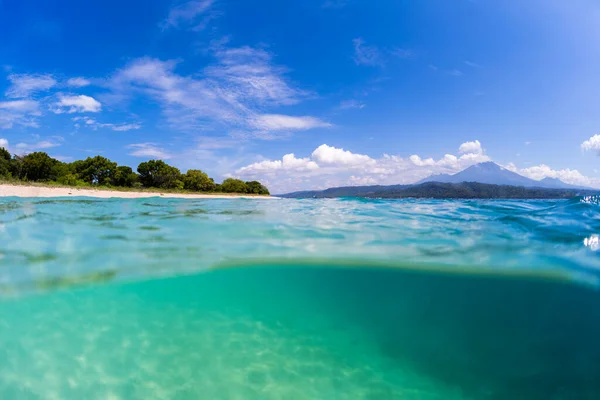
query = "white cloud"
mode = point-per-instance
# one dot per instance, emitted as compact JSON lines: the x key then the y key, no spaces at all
{"x":472,"y":64}
{"x":18,"y":112}
{"x":76,"y":103}
{"x":330,"y":166}
{"x":78,"y":82}
{"x":567,"y":175}
{"x":95,"y":125}
{"x":24,"y":85}
{"x":26,"y":148}
{"x":123,"y":127}
{"x":230,"y":94}
{"x":188,"y":14}
{"x":150,"y":150}
{"x":351,"y":104}
{"x":277,"y":122}
{"x":471,"y":147}
{"x":289,"y":162}
{"x":4,"y":143}
{"x":328,"y":155}
{"x":366,"y":55}
{"x":592,"y":144}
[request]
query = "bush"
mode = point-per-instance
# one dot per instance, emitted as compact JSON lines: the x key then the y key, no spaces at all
{"x":231,"y":185}
{"x":255,"y":187}
{"x":96,"y":170}
{"x":198,"y":181}
{"x":159,"y":174}
{"x":38,"y":166}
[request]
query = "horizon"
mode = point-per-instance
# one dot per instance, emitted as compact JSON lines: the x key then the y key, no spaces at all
{"x":315,"y":96}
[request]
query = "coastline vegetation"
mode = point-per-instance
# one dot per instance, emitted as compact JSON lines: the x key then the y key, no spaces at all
{"x":101,"y":173}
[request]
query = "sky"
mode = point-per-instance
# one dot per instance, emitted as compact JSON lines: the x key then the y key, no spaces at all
{"x":307,"y":94}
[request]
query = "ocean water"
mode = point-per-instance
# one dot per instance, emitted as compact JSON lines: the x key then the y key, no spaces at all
{"x":299,"y":299}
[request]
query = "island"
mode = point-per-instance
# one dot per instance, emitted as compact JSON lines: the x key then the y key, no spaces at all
{"x":38,"y":174}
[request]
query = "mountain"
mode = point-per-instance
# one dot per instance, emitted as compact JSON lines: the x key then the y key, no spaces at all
{"x":555,"y":183}
{"x":439,"y":190}
{"x":481,"y":175}
{"x":493,"y":174}
{"x":487,"y":172}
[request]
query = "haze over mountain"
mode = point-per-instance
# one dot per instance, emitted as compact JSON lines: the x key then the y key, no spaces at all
{"x":482,"y":176}
{"x":493,"y":174}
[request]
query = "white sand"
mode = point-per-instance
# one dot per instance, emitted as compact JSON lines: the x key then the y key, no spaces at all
{"x":41,"y":191}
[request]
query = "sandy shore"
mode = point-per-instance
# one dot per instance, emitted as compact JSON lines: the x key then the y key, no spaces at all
{"x":42,"y":191}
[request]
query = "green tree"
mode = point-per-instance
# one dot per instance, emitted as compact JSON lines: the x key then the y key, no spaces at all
{"x":38,"y":166}
{"x":96,"y":170}
{"x":194,"y":179}
{"x":125,"y":177}
{"x":5,"y":163}
{"x":255,"y":187}
{"x":159,"y":174}
{"x":231,"y":185}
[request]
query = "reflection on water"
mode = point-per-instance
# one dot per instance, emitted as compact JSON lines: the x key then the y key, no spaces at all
{"x":305,"y":333}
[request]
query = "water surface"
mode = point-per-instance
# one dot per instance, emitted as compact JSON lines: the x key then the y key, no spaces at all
{"x":299,"y":299}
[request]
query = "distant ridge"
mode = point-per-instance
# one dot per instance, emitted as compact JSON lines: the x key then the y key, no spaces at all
{"x":483,"y":180}
{"x":493,"y":174}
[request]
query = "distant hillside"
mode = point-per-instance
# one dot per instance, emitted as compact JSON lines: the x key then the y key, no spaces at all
{"x":493,"y":174}
{"x":440,"y":190}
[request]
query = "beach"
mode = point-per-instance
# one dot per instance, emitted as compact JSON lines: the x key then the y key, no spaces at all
{"x":7,"y":190}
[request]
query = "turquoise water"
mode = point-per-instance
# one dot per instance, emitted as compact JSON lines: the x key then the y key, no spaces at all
{"x":299,"y":299}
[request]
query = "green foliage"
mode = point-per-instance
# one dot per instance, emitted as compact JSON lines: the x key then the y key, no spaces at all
{"x":4,"y":154}
{"x":125,"y":177}
{"x":197,"y":180}
{"x":96,"y":170}
{"x":159,"y":174}
{"x":255,"y":187}
{"x":231,"y":185}
{"x":5,"y":163}
{"x":38,"y":166}
{"x":70,"y":180}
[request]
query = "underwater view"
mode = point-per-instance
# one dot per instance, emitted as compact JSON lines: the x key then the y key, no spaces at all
{"x":299,"y":299}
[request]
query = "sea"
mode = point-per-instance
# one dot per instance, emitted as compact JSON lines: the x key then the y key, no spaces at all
{"x":299,"y":299}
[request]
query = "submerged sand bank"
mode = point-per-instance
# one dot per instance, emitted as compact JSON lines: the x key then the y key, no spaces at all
{"x":7,"y":190}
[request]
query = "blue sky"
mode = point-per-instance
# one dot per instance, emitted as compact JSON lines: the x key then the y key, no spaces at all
{"x":307,"y":94}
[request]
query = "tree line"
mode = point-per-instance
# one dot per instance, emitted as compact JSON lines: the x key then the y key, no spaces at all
{"x":100,"y":171}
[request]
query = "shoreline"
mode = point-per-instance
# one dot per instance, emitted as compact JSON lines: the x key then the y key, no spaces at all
{"x":10,"y":190}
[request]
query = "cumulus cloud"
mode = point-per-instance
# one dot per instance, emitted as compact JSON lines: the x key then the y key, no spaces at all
{"x":150,"y":150}
{"x":76,"y":103}
{"x":471,"y":147}
{"x":78,"y":82}
{"x":328,"y":155}
{"x":592,"y":144}
{"x":331,"y":166}
{"x":4,"y":143}
{"x":567,"y":175}
{"x":25,"y":85}
{"x":230,"y":94}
